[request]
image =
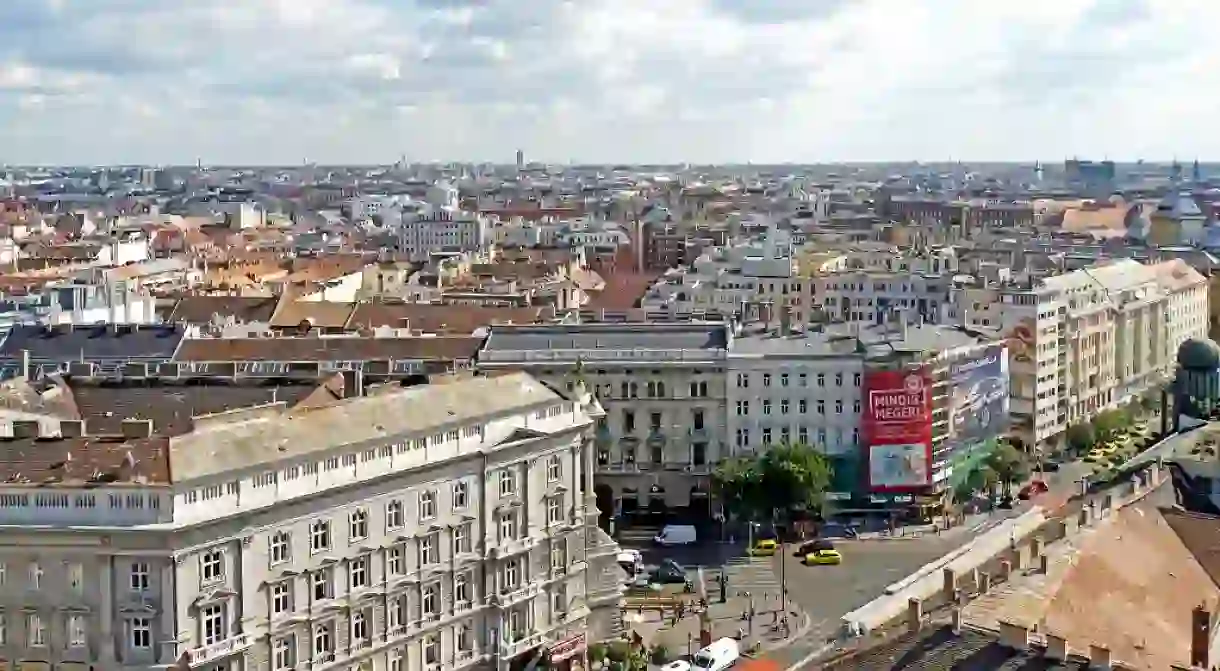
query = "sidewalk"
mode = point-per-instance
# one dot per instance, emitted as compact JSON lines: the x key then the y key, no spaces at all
{"x":972,"y":524}
{"x":681,"y":638}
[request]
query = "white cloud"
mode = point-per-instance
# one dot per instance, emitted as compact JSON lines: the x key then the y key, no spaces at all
{"x":606,"y":80}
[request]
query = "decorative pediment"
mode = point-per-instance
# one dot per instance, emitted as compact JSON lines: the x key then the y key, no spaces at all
{"x":521,"y":433}
{"x":211,"y":595}
{"x":144,"y":608}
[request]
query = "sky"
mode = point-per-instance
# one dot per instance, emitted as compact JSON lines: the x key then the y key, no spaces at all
{"x":585,"y":81}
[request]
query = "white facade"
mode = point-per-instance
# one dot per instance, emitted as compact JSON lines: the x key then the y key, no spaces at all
{"x":812,"y":400}
{"x":441,"y":230}
{"x":436,"y":528}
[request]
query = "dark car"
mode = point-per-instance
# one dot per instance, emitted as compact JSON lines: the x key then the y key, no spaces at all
{"x":816,"y":545}
{"x":669,"y":572}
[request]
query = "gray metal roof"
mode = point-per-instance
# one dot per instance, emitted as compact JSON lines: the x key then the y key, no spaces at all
{"x":643,"y":336}
{"x":839,"y":340}
{"x":91,"y":343}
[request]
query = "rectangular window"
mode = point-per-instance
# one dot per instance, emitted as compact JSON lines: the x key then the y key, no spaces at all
{"x":427,"y":504}
{"x":359,"y":573}
{"x":76,"y":631}
{"x":214,"y":629}
{"x":281,"y":598}
{"x":554,"y":469}
{"x":508,"y":484}
{"x":322,"y":584}
{"x":319,"y":536}
{"x":281,"y":547}
{"x":554,"y":510}
{"x":428,"y":550}
{"x":508,"y":526}
{"x":394,"y":561}
{"x":393,"y":515}
{"x":459,"y":495}
{"x":283,"y":653}
{"x":36,"y":630}
{"x":431,"y":599}
{"x":461,"y":588}
{"x":141,"y":633}
{"x":76,"y":577}
{"x":139,"y":576}
{"x":461,"y":538}
{"x":212,"y":565}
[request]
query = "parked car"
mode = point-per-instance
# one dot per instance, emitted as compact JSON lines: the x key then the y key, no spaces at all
{"x":1033,"y":489}
{"x":669,"y":572}
{"x":764,"y":548}
{"x":676,"y":534}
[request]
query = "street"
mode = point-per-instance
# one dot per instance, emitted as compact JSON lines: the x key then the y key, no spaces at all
{"x":825,"y":593}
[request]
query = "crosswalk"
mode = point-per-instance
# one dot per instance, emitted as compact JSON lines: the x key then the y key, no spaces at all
{"x":748,"y":574}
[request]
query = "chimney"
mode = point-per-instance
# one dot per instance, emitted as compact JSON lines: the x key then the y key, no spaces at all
{"x":1014,"y":636}
{"x":72,"y":428}
{"x":1200,"y":636}
{"x":353,"y":383}
{"x":137,"y":428}
{"x":25,"y":428}
{"x":1099,"y":657}
{"x":1057,"y":648}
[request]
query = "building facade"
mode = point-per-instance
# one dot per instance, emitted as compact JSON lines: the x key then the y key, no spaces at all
{"x":662,"y":386}
{"x":1092,"y":339}
{"x":435,"y":527}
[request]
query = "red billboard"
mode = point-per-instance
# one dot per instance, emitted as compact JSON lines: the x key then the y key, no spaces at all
{"x":897,"y":428}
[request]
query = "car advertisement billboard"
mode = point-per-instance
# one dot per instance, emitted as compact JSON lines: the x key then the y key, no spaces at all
{"x":897,"y":427}
{"x":978,"y":401}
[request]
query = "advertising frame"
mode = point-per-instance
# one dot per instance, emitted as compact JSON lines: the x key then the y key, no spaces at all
{"x":979,"y":404}
{"x":897,"y":429}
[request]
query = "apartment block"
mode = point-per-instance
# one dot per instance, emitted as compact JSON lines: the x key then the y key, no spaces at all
{"x":1091,"y":339}
{"x":442,"y":526}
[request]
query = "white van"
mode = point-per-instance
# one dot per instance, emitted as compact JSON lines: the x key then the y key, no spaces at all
{"x":675,"y":534}
{"x":718,"y":656}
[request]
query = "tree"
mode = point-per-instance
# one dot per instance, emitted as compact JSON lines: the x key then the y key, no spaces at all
{"x":786,"y":479}
{"x":1107,"y":423}
{"x":795,"y":478}
{"x":1007,"y":464}
{"x":1081,"y":437}
{"x":737,"y":482}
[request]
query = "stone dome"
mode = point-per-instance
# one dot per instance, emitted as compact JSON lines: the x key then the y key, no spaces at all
{"x":1199,"y":354}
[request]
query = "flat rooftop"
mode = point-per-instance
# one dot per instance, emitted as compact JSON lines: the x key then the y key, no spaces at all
{"x":871,"y":341}
{"x":632,"y":336}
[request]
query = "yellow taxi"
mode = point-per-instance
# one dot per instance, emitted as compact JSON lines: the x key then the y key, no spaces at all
{"x":764,"y":548}
{"x":825,"y":557}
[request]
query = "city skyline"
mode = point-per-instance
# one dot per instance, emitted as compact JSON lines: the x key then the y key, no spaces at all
{"x":590,"y":81}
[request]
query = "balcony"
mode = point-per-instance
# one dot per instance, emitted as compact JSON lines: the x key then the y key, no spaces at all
{"x":656,"y":436}
{"x":519,"y":645}
{"x":699,"y":435}
{"x":621,"y":467}
{"x":512,"y":597}
{"x":207,"y":653}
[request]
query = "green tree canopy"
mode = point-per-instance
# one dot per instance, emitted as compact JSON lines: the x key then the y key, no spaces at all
{"x":787,"y":478}
{"x":1009,"y":464}
{"x":1081,"y":437}
{"x":1107,"y":423}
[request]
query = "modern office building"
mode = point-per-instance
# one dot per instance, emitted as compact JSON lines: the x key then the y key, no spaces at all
{"x":443,"y":526}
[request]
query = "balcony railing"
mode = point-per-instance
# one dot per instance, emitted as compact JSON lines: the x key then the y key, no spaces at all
{"x":208,"y":653}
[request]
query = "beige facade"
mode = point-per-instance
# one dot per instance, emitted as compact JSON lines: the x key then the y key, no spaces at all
{"x":437,"y":527}
{"x":1091,"y":339}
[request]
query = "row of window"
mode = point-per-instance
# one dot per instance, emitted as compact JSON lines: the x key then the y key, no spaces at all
{"x":802,"y":407}
{"x":80,"y":501}
{"x":37,"y":632}
{"x":271,"y":478}
{"x":785,"y":436}
{"x":36,"y":574}
{"x":284,"y":649}
{"x":802,"y":379}
{"x":652,"y":389}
